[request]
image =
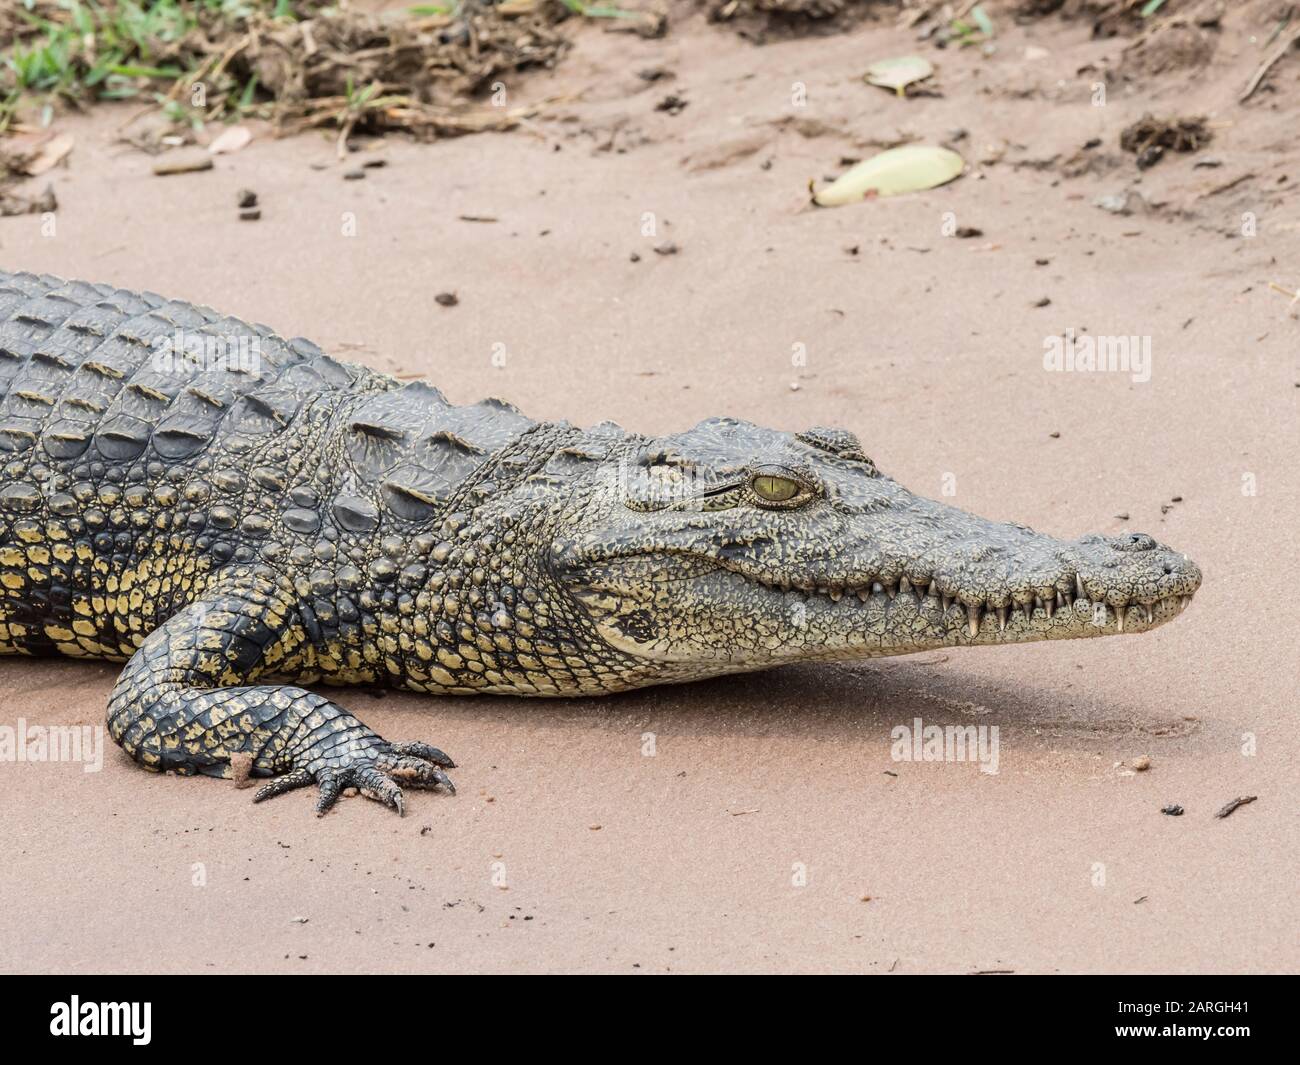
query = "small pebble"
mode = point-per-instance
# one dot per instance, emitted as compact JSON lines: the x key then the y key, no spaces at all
{"x":1142,"y":764}
{"x":1173,"y":810}
{"x":246,"y":198}
{"x":250,"y":214}
{"x":354,"y":175}
{"x":446,"y":299}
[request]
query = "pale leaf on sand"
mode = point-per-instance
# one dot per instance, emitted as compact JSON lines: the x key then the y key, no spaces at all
{"x":51,"y":153}
{"x":911,"y":168}
{"x":899,"y":73}
{"x":230,"y":140}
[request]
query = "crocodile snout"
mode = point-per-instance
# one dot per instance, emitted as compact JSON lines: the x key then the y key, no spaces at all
{"x":1131,"y":570}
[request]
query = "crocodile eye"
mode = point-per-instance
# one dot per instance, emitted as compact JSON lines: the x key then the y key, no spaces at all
{"x":775,"y":489}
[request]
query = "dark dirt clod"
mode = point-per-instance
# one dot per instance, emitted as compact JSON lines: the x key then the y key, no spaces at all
{"x":13,"y":203}
{"x":446,"y":299}
{"x":1173,"y":810}
{"x":246,"y":198}
{"x":250,"y":214}
{"x":1148,"y":137}
{"x":757,"y":19}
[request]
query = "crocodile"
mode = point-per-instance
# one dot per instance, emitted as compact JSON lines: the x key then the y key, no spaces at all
{"x":242,"y":519}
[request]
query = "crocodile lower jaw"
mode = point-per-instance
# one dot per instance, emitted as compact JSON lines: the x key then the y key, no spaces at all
{"x":767,"y":624}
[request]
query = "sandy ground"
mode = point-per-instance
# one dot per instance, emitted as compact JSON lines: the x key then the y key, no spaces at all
{"x":771,"y":830}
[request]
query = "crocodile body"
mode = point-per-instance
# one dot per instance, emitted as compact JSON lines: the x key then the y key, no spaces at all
{"x":236,"y":516}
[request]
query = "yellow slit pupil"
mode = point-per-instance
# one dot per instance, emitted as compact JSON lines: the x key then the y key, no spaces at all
{"x":775,"y":489}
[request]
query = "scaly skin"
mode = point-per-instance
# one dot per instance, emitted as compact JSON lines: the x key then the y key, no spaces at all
{"x":236,"y":532}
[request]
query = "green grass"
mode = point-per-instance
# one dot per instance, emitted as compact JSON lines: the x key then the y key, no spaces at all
{"x":599,"y":11}
{"x":81,"y":50}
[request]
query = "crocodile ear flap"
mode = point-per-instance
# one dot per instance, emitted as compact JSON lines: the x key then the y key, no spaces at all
{"x":839,"y":442}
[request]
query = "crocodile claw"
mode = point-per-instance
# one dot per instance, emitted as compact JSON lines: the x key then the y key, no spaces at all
{"x":375,"y":773}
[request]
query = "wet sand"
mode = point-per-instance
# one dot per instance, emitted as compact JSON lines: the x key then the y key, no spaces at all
{"x":568,"y":848}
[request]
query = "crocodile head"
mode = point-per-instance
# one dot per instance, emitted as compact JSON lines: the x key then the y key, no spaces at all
{"x":731,"y":547}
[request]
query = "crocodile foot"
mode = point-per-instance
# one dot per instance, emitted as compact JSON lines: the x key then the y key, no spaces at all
{"x":374,"y":771}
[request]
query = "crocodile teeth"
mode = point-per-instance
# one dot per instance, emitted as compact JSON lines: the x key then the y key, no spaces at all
{"x":1060,"y":599}
{"x":973,"y":619}
{"x":1049,"y":604}
{"x":877,"y":588}
{"x":1151,"y":614}
{"x":933,"y":590}
{"x":890,"y":591}
{"x":947,"y":602}
{"x":1119,"y":615}
{"x":1078,"y":584}
{"x":864,"y":594}
{"x":836,"y":595}
{"x":1002,"y":618}
{"x":904,"y":585}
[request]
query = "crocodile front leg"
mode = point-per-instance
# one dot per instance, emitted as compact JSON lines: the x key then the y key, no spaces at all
{"x":187,"y":702}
